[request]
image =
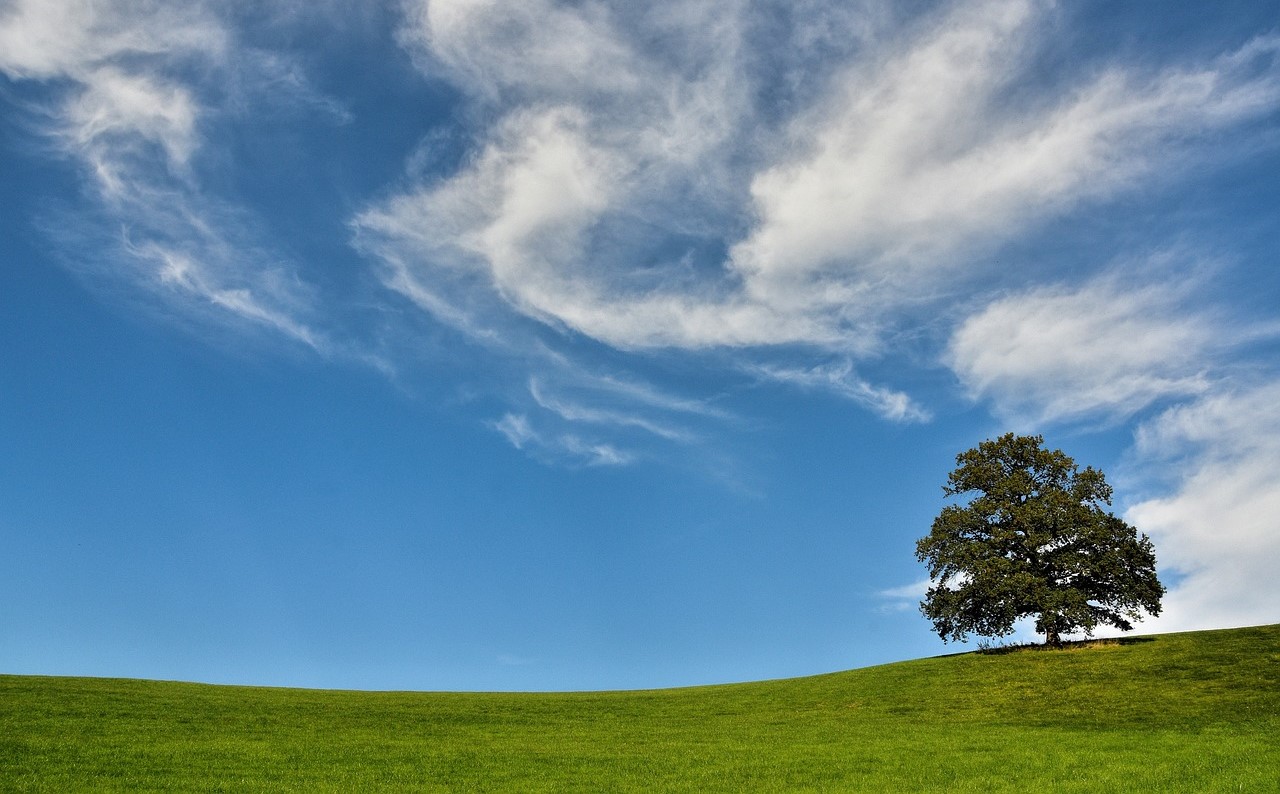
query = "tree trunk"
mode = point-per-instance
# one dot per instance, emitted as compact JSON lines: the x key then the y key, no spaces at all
{"x":1051,"y":638}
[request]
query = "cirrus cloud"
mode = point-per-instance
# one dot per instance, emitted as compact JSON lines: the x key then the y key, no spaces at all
{"x":1217,"y":526}
{"x":1106,"y":348}
{"x":129,"y":79}
{"x":827,"y":223}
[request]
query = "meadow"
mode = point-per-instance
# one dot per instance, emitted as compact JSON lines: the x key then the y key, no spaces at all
{"x":1196,"y":711}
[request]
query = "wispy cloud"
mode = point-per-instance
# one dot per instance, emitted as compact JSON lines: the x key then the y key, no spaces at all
{"x":184,"y":276}
{"x":557,"y":447}
{"x":647,"y":395}
{"x":129,"y":111}
{"x":516,"y":429}
{"x":871,"y":198}
{"x":904,"y":598}
{"x":1108,"y":347}
{"x":575,"y":412}
{"x":839,"y":378}
{"x":43,"y":39}
{"x":651,"y":198}
{"x":1217,"y":525}
{"x":923,"y":155}
{"x":749,"y":183}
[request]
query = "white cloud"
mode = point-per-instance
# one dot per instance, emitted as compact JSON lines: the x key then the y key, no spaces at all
{"x":127,"y":75}
{"x":861,"y":183}
{"x":594,"y":453}
{"x":578,"y":412}
{"x":714,"y":175}
{"x":839,"y":378}
{"x":559,"y":447}
{"x":1106,"y":348}
{"x":594,"y":133}
{"x":112,"y":121}
{"x":516,"y":429}
{"x":904,"y":598}
{"x":42,"y":39}
{"x":917,"y":159}
{"x":187,"y":276}
{"x":1218,"y":527}
{"x":914,"y":591}
{"x":609,"y":164}
{"x":537,"y":46}
{"x":697,"y":175}
{"x":651,"y":397}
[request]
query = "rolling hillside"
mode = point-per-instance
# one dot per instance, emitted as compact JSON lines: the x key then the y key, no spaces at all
{"x":1193,"y":711}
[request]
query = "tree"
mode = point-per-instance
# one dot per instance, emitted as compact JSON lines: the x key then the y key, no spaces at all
{"x":1034,"y":539}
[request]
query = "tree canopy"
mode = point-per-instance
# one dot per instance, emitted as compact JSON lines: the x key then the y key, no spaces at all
{"x":1034,"y":539}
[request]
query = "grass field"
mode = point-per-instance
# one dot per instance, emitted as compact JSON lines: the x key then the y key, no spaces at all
{"x":1177,"y":712}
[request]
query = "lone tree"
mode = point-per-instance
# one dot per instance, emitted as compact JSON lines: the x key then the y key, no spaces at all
{"x":1034,"y":539}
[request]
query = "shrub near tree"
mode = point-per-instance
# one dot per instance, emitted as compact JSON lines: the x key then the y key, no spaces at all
{"x":1034,"y":539}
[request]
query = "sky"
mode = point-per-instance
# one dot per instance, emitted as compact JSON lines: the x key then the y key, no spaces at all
{"x":478,"y":345}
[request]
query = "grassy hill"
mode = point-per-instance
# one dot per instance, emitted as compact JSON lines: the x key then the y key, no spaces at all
{"x":1178,"y":712}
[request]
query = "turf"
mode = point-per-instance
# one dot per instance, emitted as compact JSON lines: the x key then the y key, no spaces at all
{"x":1176,"y":712}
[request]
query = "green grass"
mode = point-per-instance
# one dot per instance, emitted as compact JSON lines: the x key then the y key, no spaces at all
{"x":1177,"y":712}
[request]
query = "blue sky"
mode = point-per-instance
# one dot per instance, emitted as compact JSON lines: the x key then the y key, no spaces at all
{"x":478,"y":345}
